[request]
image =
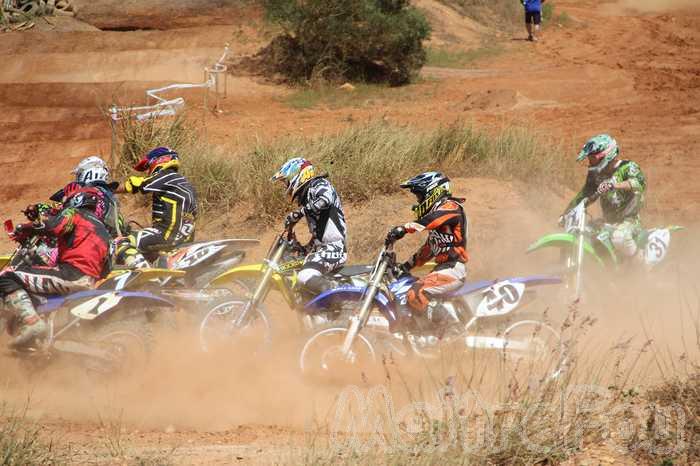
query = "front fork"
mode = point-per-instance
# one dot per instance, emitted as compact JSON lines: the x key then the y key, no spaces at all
{"x":262,"y":287}
{"x":359,"y":320}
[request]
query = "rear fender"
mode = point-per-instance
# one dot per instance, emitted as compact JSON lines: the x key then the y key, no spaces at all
{"x":563,"y":240}
{"x":499,"y":297}
{"x":189,"y":256}
{"x":349,"y":293}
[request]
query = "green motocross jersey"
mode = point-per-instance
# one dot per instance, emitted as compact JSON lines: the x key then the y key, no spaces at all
{"x":617,"y":205}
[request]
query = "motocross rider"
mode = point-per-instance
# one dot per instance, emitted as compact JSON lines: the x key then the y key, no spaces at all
{"x":83,"y":257}
{"x":93,"y":171}
{"x":442,"y":215}
{"x":320,"y":204}
{"x":620,"y":185}
{"x":174,"y":207}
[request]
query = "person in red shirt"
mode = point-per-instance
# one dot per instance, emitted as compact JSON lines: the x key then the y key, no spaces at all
{"x":83,"y":258}
{"x":443,"y":217}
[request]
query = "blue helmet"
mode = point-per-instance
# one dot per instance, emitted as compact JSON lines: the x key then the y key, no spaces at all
{"x":157,"y":159}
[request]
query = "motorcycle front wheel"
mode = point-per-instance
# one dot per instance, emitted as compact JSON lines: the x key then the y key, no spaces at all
{"x":321,"y":357}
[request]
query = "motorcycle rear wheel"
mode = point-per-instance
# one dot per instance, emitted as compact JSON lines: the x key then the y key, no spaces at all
{"x":129,"y":343}
{"x":534,"y":348}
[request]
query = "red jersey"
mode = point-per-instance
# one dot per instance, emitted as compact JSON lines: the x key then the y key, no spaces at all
{"x":83,"y":241}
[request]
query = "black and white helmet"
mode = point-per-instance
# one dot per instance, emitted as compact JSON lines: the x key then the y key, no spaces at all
{"x":428,"y":187}
{"x":90,"y":170}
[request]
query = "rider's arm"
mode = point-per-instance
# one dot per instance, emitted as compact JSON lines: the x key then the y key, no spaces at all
{"x":318,"y":199}
{"x":624,"y":185}
{"x":423,"y":255}
{"x":430,"y":221}
{"x":58,"y":225}
{"x":634,"y":179}
{"x":588,"y":191}
{"x":132,"y":185}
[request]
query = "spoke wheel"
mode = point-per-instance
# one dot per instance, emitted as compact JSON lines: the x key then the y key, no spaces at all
{"x":534,"y":349}
{"x":128,"y":344}
{"x":322,"y":357}
{"x":218,"y":330}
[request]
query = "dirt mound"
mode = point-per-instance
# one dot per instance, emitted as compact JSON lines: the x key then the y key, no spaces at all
{"x":450,"y":27}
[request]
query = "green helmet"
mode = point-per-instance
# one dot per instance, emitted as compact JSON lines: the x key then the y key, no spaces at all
{"x":603,"y":147}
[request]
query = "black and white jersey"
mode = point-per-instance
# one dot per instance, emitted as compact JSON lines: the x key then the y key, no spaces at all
{"x":323,"y":211}
{"x":174,"y":200}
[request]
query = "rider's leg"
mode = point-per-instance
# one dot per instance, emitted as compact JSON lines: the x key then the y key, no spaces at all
{"x":313,"y":280}
{"x":443,"y":279}
{"x":623,"y":238}
{"x":130,"y":249}
{"x":325,"y":259}
{"x":31,"y":325}
{"x":16,"y":284}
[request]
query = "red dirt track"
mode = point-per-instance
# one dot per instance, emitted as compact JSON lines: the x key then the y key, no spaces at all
{"x":632,"y":73}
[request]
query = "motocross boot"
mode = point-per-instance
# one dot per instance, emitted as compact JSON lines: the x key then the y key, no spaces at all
{"x":127,"y":254}
{"x":32,"y":327}
{"x":440,"y":317}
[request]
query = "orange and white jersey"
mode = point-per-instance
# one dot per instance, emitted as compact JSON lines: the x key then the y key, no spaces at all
{"x":447,"y":227}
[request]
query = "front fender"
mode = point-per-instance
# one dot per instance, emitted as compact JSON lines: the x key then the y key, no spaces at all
{"x":563,"y":240}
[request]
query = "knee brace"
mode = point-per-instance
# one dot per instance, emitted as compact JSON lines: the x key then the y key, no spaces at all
{"x":623,"y":240}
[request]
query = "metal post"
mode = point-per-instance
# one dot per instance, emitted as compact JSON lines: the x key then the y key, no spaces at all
{"x":579,"y":253}
{"x":113,"y":127}
{"x":206,"y":104}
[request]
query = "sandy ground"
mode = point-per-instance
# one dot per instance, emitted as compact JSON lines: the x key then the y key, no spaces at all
{"x":629,"y":68}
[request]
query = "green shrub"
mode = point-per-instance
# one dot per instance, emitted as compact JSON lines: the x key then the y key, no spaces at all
{"x":547,"y":12}
{"x":357,"y":40}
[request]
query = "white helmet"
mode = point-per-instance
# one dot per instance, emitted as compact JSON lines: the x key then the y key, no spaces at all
{"x":91,"y":169}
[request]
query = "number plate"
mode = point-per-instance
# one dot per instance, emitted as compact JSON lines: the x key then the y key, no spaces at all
{"x":500,"y":298}
{"x":657,"y":246}
{"x":92,"y":308}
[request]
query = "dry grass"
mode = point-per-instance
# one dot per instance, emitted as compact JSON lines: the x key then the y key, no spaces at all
{"x":519,"y":417}
{"x":363,"y":161}
{"x":21,"y":442}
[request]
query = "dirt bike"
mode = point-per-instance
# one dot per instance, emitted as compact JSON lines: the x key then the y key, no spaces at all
{"x":583,"y":238}
{"x":104,"y":328}
{"x":382,"y":321}
{"x":202,"y":260}
{"x":245,"y":316}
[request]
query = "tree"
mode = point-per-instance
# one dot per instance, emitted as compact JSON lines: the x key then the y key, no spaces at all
{"x":357,"y":40}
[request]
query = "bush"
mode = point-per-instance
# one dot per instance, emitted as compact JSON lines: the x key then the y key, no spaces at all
{"x":215,"y":178}
{"x":357,"y":40}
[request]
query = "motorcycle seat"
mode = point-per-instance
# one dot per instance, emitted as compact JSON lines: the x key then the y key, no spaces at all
{"x":352,"y":270}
